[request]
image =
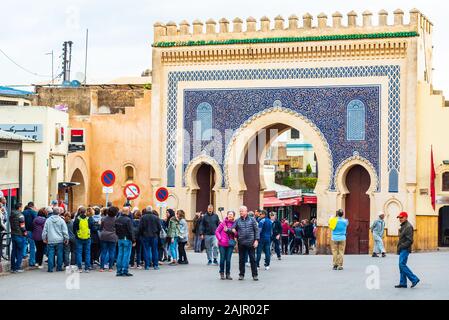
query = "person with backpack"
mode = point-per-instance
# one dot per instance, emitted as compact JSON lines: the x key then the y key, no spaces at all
{"x":162,"y":239}
{"x":18,"y":237}
{"x":108,"y":239}
{"x":30,"y":214}
{"x":82,"y":227}
{"x":183,"y":237}
{"x":173,"y":234}
{"x":226,"y":243}
{"x":338,"y":225}
{"x":266,"y":232}
{"x":126,"y":240}
{"x":149,"y":230}
{"x":276,"y":235}
{"x":55,"y":235}
{"x":299,"y":236}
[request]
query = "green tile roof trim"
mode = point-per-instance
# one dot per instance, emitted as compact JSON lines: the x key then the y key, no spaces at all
{"x":168,"y":44}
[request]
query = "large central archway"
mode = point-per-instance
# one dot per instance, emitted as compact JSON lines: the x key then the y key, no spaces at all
{"x":248,"y":133}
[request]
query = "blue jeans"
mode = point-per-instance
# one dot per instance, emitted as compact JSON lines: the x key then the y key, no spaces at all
{"x":197,"y":243}
{"x":404,"y":270}
{"x":107,"y":254}
{"x":124,"y":252}
{"x":30,"y":241}
{"x":59,"y":247}
{"x":18,"y":243}
{"x":225,"y":258}
{"x":83,"y":245}
{"x":150,"y":251}
{"x":174,"y":249}
{"x":266,"y":247}
{"x":277,"y":247}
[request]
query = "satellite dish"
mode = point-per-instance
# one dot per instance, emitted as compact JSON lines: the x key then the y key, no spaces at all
{"x":75,"y":83}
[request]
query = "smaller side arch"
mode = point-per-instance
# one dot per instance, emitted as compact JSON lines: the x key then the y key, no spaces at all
{"x":345,"y":166}
{"x":192,"y":170}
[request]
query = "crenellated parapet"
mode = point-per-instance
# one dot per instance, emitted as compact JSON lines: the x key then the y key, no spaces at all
{"x":319,"y":28}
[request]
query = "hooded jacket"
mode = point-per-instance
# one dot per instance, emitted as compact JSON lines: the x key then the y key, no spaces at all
{"x":55,"y":230}
{"x":223,"y":236}
{"x":38,"y":227}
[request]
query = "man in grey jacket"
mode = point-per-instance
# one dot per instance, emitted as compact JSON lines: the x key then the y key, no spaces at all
{"x":55,"y":235}
{"x":248,"y":239}
{"x":404,"y":249}
{"x":377,"y":228}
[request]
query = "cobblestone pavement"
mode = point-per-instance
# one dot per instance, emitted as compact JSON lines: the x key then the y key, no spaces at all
{"x":294,"y":277}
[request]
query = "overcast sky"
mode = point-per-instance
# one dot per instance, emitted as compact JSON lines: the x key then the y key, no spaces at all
{"x":121,"y":32}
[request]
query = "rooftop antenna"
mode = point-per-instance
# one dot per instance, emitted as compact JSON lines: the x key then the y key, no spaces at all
{"x":66,"y":60}
{"x":85,"y":59}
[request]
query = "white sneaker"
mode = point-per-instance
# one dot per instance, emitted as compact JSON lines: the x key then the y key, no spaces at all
{"x":267,"y":268}
{"x":40,"y":267}
{"x":248,"y":264}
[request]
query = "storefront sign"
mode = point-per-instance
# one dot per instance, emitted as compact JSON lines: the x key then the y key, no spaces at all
{"x":33,"y":131}
{"x":289,"y":194}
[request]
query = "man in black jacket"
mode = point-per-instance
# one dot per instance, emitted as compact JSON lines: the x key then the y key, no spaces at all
{"x":210,"y":223}
{"x":126,"y":240}
{"x":308,"y":234}
{"x":277,"y":231}
{"x":149,"y":230}
{"x":18,"y":237}
{"x":404,"y":249}
{"x":248,"y":239}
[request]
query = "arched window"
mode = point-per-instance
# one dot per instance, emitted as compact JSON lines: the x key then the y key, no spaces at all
{"x":445,"y":180}
{"x":355,"y":120}
{"x":129,"y":173}
{"x":204,"y":121}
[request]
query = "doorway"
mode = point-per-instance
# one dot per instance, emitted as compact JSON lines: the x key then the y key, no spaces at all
{"x":443,"y":227}
{"x":205,"y":178}
{"x":357,"y":210}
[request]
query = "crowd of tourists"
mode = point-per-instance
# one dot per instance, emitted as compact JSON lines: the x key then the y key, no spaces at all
{"x":104,"y":237}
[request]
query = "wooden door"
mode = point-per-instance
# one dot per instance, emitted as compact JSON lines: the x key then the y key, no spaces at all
{"x":357,"y":210}
{"x":205,"y":180}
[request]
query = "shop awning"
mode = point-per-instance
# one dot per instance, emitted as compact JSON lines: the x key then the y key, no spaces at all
{"x":272,"y":202}
{"x":292,"y":201}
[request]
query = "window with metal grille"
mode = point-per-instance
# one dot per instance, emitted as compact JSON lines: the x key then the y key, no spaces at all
{"x":294,"y":134}
{"x":355,"y":120}
{"x":3,"y":153}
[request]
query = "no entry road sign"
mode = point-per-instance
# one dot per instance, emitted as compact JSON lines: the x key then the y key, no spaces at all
{"x":131,"y":191}
{"x":108,"y":178}
{"x":162,"y":194}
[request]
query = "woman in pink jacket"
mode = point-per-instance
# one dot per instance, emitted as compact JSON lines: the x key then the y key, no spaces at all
{"x":226,"y":242}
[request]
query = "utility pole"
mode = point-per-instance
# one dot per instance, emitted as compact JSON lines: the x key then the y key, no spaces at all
{"x":85,"y":60}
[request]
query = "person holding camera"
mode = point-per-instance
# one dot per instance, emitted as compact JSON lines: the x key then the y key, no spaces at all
{"x":226,"y":243}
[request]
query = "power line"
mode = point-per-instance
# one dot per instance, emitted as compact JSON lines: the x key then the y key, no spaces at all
{"x":23,"y":68}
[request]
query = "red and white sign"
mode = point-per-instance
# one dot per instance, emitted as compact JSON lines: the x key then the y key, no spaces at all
{"x":108,"y":178}
{"x":77,"y":136}
{"x":162,"y":194}
{"x":131,"y":191}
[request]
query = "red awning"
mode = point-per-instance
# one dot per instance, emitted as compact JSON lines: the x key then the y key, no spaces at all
{"x":293,"y":201}
{"x":272,"y":202}
{"x":13,"y":192}
{"x":309,"y":199}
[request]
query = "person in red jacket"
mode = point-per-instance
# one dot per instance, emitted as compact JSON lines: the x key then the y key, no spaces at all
{"x":285,"y":235}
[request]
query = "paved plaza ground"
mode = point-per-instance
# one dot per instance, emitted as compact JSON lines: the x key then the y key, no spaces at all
{"x":295,"y":277}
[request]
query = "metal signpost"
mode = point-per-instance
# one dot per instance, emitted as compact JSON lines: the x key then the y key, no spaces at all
{"x":108,"y":179}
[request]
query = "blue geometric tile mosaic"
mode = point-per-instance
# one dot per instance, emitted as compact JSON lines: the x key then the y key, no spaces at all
{"x":324,"y":106}
{"x":390,"y":71}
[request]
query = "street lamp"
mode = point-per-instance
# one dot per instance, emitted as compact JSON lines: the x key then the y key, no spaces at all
{"x":52,"y":75}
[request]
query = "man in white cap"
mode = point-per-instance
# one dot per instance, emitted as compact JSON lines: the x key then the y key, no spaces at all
{"x":377,"y":228}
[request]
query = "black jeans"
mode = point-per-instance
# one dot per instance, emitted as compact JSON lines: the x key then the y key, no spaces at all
{"x":298,"y":245}
{"x":70,"y":250}
{"x":182,"y":252}
{"x":40,"y":246}
{"x":245,"y":251}
{"x":136,"y":253}
{"x":306,"y":244}
{"x":95,"y":252}
{"x":284,"y":244}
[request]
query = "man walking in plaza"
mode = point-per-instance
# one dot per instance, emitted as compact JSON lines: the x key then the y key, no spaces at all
{"x":404,"y":249}
{"x":338,"y":225}
{"x":149,"y":229}
{"x":248,"y":239}
{"x":266,"y":231}
{"x":208,"y":226}
{"x":377,"y":228}
{"x":276,"y":235}
{"x":126,"y":240}
{"x":55,"y":235}
{"x":30,"y":214}
{"x":18,"y":237}
{"x":82,"y":227}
